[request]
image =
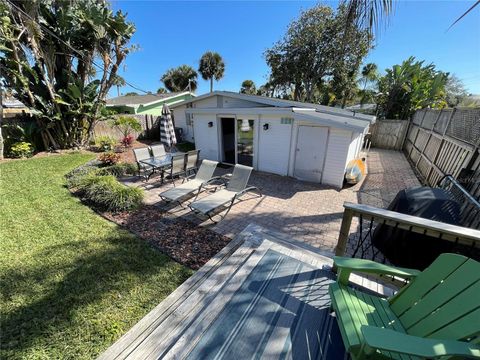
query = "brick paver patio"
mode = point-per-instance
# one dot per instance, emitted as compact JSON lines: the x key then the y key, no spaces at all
{"x":305,"y":211}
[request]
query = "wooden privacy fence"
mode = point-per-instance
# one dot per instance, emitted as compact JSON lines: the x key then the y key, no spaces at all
{"x":150,"y":128}
{"x":389,"y":134}
{"x":443,"y":142}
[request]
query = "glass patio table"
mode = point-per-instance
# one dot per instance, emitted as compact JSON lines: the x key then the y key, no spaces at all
{"x":160,"y":163}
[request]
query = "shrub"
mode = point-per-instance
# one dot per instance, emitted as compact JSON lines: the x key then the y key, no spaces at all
{"x":118,"y":170}
{"x":109,"y":158}
{"x":76,"y":176}
{"x":126,"y":124}
{"x":21,"y":149}
{"x":127,"y":141}
{"x":105,"y":142}
{"x":108,"y":194}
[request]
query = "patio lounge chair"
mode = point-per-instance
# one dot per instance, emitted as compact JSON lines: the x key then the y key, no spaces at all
{"x":236,"y":187}
{"x":142,"y":154}
{"x":158,"y":150}
{"x":204,"y":177}
{"x":436,"y":315}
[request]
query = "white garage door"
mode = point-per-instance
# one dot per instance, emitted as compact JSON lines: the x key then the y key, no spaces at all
{"x":310,"y":152}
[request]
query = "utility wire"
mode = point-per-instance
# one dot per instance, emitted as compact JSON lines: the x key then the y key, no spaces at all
{"x":79,"y":52}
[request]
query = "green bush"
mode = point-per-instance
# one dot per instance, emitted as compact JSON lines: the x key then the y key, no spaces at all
{"x":21,"y":149}
{"x":105,"y":142}
{"x":118,"y":170}
{"x":76,"y":176}
{"x":108,"y":194}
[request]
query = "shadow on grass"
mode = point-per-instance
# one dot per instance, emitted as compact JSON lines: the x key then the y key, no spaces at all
{"x":78,"y":295}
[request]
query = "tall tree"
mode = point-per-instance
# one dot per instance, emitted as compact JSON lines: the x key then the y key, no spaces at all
{"x":369,"y":74}
{"x":248,"y":87}
{"x":455,"y":91}
{"x":49,"y":53}
{"x":211,"y":67}
{"x":302,"y":58}
{"x":316,"y":49}
{"x":411,"y":86}
{"x":181,"y":78}
{"x":161,"y":90}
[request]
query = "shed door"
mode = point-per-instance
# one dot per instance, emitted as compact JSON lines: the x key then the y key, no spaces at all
{"x":310,"y":152}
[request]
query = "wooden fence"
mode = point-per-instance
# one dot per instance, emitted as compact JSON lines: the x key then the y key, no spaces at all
{"x":150,"y":128}
{"x":389,"y":134}
{"x":443,"y":142}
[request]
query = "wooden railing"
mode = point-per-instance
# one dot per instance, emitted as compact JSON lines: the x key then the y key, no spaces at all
{"x":357,"y":243}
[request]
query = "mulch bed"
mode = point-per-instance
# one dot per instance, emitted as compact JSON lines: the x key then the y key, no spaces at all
{"x":183,"y":241}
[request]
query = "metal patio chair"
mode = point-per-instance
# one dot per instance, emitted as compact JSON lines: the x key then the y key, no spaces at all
{"x":192,"y":161}
{"x":158,"y":150}
{"x":142,"y":154}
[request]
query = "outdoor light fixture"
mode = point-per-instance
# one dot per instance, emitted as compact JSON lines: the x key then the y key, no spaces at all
{"x":245,"y":126}
{"x":210,"y":124}
{"x":265,"y":126}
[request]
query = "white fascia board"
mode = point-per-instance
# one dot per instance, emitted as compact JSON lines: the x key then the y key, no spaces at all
{"x":167,"y":98}
{"x":242,"y":111}
{"x":330,"y":120}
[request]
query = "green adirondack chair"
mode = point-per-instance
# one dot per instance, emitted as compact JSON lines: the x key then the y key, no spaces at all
{"x":437,"y":315}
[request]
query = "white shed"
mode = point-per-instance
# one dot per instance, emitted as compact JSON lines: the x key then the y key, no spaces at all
{"x":307,"y":141}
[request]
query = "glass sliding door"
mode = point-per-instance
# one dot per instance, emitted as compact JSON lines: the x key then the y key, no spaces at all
{"x":245,"y":141}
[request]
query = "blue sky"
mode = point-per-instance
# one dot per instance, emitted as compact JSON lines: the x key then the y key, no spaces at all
{"x":174,"y":33}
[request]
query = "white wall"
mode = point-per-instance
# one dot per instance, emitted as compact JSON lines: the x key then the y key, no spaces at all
{"x":207,"y":103}
{"x":337,"y":151}
{"x":206,"y":138}
{"x":274,"y":145}
{"x":181,"y":121}
{"x":354,"y":147}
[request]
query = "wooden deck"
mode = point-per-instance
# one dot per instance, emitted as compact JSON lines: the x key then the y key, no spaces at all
{"x":262,"y":295}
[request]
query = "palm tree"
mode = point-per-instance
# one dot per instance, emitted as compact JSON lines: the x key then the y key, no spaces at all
{"x":369,"y":74}
{"x":180,"y":79}
{"x":248,"y":87}
{"x":368,"y":14}
{"x":211,"y":67}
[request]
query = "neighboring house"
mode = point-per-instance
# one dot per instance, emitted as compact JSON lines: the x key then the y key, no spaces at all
{"x":307,"y":141}
{"x":363,"y":108}
{"x":11,"y":107}
{"x":150,"y":104}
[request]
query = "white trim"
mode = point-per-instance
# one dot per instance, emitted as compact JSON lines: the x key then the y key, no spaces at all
{"x":170,"y":97}
{"x":136,"y":106}
{"x":286,"y":103}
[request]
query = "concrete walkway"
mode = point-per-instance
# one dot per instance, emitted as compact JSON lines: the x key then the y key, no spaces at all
{"x":305,"y":211}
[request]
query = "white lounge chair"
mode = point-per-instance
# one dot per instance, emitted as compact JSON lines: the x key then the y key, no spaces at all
{"x":182,"y":192}
{"x":236,"y":187}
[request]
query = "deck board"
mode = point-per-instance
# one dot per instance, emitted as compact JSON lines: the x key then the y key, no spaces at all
{"x":187,"y":321}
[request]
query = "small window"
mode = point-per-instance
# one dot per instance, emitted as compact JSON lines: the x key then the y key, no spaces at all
{"x":286,"y":121}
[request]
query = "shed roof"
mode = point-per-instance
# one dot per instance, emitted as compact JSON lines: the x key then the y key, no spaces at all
{"x":281,"y":103}
{"x":147,"y":99}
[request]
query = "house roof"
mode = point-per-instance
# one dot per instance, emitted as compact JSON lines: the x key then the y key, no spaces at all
{"x":11,"y":102}
{"x":304,"y":114}
{"x":281,"y":103}
{"x":147,"y":99}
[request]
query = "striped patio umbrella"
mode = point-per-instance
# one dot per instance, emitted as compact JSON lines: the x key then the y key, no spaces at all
{"x":167,"y":131}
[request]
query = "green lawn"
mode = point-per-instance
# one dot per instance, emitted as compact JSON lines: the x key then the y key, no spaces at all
{"x":71,"y":282}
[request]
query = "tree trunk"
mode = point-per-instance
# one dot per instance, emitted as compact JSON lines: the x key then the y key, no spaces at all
{"x":1,"y":121}
{"x":211,"y":84}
